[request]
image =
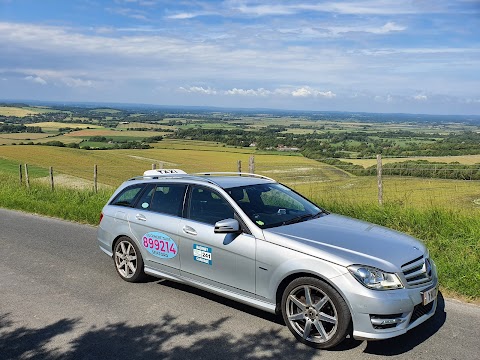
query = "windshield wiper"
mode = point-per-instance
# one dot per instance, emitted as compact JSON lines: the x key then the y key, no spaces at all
{"x":301,"y":218}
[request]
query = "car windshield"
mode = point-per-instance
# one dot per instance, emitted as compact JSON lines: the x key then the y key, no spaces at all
{"x":271,"y":205}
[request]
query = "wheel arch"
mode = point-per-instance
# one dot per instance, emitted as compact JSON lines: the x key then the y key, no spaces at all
{"x":114,"y":242}
{"x":291,"y":277}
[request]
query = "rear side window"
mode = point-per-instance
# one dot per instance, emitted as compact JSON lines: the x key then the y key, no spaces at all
{"x":164,"y":199}
{"x":128,"y":195}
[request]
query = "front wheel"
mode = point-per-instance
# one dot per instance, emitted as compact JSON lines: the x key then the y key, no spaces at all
{"x":315,"y":313}
{"x":128,"y":260}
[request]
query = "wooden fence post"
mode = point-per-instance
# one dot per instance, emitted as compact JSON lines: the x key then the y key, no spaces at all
{"x":239,"y":166}
{"x":95,"y":187}
{"x":379,"y":179}
{"x":251,"y":164}
{"x":51,"y":178}
{"x":27,"y":180}
{"x":154,"y":166}
{"x":20,"y":173}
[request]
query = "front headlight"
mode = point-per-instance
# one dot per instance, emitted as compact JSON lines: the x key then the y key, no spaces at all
{"x":373,"y":278}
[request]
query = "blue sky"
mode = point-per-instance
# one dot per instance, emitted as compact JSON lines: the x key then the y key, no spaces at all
{"x":407,"y":56}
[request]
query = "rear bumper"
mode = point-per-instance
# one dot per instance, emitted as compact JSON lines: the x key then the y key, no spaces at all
{"x":104,"y":241}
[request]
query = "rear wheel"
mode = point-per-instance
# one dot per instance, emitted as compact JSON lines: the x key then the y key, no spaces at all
{"x":315,"y":313}
{"x":128,"y":260}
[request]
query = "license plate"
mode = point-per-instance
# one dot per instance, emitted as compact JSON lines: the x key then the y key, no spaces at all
{"x":429,"y":295}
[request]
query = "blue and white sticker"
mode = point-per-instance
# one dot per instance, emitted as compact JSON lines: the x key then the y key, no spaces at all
{"x":160,"y":245}
{"x":202,"y":254}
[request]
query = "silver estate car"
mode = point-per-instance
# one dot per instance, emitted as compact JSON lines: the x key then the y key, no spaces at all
{"x":249,"y":238}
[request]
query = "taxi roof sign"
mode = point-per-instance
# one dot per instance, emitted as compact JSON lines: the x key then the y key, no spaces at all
{"x":160,"y":172}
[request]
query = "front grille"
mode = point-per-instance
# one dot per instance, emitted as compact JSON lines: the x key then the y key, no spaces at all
{"x":420,"y":310}
{"x":417,"y":272}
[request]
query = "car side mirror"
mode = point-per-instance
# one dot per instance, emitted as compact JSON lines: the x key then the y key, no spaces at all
{"x":227,"y":226}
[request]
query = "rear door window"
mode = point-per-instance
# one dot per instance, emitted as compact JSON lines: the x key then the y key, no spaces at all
{"x":207,"y":206}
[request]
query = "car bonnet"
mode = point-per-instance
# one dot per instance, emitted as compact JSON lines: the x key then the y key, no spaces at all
{"x":346,"y":241}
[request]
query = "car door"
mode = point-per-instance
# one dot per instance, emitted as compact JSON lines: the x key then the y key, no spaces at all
{"x":225,"y":260}
{"x":154,"y":222}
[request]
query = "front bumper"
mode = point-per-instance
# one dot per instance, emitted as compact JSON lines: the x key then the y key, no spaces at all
{"x":380,"y":315}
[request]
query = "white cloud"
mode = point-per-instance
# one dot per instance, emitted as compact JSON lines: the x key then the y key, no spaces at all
{"x":369,"y":7}
{"x":302,"y":92}
{"x":75,"y":82}
{"x":421,"y":97}
{"x":190,"y":15}
{"x":35,"y":79}
{"x":198,"y":90}
{"x":131,"y":13}
{"x":248,"y":92}
{"x":264,"y":10}
{"x":307,"y":91}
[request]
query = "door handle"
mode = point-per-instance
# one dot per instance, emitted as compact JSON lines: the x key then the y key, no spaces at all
{"x":189,"y":230}
{"x":140,"y":217}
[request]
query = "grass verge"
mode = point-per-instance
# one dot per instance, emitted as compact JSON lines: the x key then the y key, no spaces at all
{"x":452,"y":237}
{"x":83,"y":206}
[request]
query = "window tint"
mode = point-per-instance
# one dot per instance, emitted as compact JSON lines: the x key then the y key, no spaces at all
{"x":270,"y":205}
{"x":208,"y":207}
{"x":146,"y":197}
{"x":163,"y":198}
{"x":128,"y":196}
{"x":280,"y":199}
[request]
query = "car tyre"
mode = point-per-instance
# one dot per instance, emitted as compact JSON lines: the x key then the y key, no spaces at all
{"x":315,"y":313}
{"x":128,"y":260}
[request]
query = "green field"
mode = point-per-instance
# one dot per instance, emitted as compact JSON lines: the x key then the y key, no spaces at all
{"x":12,"y":168}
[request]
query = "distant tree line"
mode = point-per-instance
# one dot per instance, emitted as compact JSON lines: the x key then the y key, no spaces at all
{"x":319,"y":145}
{"x":416,"y":168}
{"x":11,"y":128}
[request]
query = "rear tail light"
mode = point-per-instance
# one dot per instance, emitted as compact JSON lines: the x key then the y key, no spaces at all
{"x":101,"y":217}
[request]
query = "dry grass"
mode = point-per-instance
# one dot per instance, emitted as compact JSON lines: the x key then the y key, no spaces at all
{"x":403,"y":191}
{"x":139,"y":125}
{"x":10,"y":138}
{"x":52,"y":125}
{"x":111,"y":133}
{"x":117,"y":165}
{"x":200,"y":146}
{"x":307,"y":176}
{"x":72,"y":182}
{"x":19,"y":112}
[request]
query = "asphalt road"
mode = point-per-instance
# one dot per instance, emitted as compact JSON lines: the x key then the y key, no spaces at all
{"x":60,"y":298}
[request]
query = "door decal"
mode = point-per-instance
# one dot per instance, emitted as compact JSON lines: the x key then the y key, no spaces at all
{"x":160,"y":245}
{"x":202,"y":254}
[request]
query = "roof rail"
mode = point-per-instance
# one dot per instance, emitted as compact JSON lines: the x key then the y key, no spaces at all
{"x":173,"y":176}
{"x":220,"y":173}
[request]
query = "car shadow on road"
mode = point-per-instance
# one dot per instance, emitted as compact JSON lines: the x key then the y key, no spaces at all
{"x":348,"y":344}
{"x":414,"y":337}
{"x":167,"y":338}
{"x":222,"y":300}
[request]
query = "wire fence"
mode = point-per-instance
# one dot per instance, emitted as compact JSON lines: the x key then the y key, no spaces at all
{"x":314,"y":179}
